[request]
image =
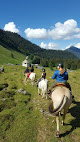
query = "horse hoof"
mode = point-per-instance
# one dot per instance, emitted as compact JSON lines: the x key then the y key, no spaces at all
{"x":57,"y":134}
{"x":62,"y":123}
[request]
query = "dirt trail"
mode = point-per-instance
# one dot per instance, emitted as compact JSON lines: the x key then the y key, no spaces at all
{"x":47,"y":120}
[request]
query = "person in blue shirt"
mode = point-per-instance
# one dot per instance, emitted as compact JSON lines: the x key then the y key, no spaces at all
{"x":61,"y":76}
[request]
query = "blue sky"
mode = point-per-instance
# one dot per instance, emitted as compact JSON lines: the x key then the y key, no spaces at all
{"x":51,"y":24}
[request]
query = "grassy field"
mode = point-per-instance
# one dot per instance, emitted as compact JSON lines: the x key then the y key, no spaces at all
{"x":25,"y":118}
{"x":10,"y":56}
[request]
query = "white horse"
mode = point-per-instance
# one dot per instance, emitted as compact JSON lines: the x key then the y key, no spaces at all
{"x":32,"y":77}
{"x":61,"y":99}
{"x":43,"y":86}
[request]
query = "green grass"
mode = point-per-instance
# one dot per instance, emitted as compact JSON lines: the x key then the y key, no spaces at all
{"x":6,"y":56}
{"x":24,"y":118}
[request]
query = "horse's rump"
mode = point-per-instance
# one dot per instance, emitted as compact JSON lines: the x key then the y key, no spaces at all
{"x":59,"y":94}
{"x":43,"y":86}
{"x":61,"y":99}
{"x":32,"y":76}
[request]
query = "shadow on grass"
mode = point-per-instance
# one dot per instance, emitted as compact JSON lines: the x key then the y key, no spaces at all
{"x":2,"y":86}
{"x":75,"y":112}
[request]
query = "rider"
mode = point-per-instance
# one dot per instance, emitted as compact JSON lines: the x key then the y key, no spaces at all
{"x":32,"y":69}
{"x":43,"y":75}
{"x":27,"y":70}
{"x":61,"y":76}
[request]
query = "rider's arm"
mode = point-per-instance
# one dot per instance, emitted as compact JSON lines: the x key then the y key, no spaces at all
{"x":66,"y":76}
{"x":55,"y":74}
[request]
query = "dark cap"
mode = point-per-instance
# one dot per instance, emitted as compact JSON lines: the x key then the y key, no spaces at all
{"x":43,"y":70}
{"x":60,"y":65}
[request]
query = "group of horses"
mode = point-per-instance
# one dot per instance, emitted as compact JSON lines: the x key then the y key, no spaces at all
{"x":61,"y":98}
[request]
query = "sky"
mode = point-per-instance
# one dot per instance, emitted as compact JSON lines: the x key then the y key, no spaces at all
{"x":50,"y":24}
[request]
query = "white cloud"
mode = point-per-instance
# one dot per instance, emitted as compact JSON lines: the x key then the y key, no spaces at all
{"x":43,"y":45}
{"x":66,"y":31}
{"x":77,"y":35}
{"x":51,"y":45}
{"x":77,"y":45}
{"x":11,"y":27}
{"x":36,"y":33}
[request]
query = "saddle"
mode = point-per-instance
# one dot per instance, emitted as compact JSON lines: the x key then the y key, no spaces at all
{"x":60,"y":84}
{"x":57,"y":85}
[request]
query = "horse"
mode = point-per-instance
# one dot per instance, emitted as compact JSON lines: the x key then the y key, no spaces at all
{"x":2,"y":69}
{"x":61,"y":99}
{"x":32,"y":77}
{"x":43,"y":86}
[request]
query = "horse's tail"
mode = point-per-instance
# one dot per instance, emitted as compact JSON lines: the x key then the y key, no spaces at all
{"x":59,"y":108}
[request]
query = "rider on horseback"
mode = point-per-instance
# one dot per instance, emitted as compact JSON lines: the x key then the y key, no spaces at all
{"x":31,"y":70}
{"x":61,"y":77}
{"x":43,"y":75}
{"x":26,"y":71}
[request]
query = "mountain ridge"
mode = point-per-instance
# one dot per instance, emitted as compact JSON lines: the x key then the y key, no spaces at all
{"x":14,"y":41}
{"x":74,"y":50}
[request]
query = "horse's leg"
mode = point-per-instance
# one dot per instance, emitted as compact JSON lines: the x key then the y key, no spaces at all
{"x":43,"y":94}
{"x":47,"y":93}
{"x":38,"y":91}
{"x":25,"y":80}
{"x":33,"y":83}
{"x":26,"y":76}
{"x":57,"y":121}
{"x":64,"y":114}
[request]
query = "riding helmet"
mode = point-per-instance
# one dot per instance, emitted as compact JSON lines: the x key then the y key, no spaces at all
{"x":60,"y":65}
{"x":43,"y":70}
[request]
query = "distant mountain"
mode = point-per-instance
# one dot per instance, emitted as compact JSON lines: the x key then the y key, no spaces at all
{"x":74,"y":50}
{"x":13,"y":41}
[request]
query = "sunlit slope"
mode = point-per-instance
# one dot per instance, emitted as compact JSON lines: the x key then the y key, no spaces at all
{"x":7,"y":56}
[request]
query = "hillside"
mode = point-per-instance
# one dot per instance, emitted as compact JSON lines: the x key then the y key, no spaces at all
{"x":13,"y":41}
{"x":10,"y":56}
{"x":74,"y":50}
{"x":25,"y":117}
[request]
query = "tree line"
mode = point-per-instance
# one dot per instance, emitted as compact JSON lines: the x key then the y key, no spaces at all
{"x":53,"y":62}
